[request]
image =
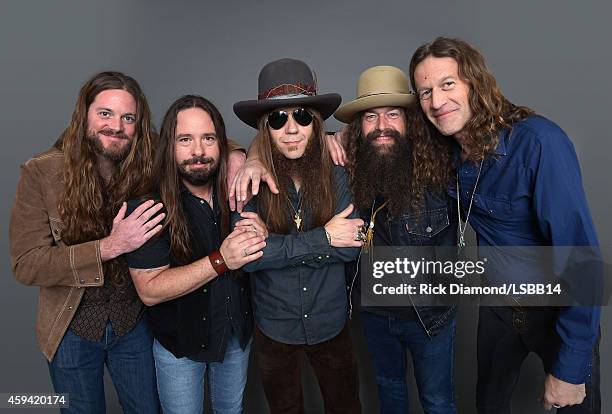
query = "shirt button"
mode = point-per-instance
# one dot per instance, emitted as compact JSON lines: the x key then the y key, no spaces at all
{"x":320,"y":258}
{"x":304,"y":288}
{"x":97,"y":279}
{"x":203,"y":346}
{"x":228,"y":298}
{"x":205,"y":290}
{"x":69,"y":307}
{"x":327,"y":256}
{"x":82,"y":280}
{"x":305,"y":315}
{"x":204,"y":317}
{"x":303,"y":262}
{"x":428,"y":229}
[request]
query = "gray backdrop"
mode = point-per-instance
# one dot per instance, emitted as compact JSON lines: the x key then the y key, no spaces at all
{"x":551,"y":55}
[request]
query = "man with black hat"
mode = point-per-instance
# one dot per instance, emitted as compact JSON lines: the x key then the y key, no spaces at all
{"x":404,"y":207}
{"x":298,"y":285}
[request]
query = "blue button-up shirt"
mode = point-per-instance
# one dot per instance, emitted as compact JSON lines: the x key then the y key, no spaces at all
{"x":530,"y":194}
{"x":298,"y":285}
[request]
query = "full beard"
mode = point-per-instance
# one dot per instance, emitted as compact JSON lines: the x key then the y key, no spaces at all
{"x":384,"y":172}
{"x":115,"y":152}
{"x":199,"y":177}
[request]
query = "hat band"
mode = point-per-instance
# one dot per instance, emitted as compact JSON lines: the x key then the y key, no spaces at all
{"x":288,"y":90}
{"x":384,"y":93}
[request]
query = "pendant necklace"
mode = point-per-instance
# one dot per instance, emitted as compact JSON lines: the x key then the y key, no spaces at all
{"x":461,"y":241}
{"x":297,"y":214}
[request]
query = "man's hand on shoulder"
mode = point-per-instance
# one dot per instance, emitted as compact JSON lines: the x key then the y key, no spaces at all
{"x":252,"y":173}
{"x":131,"y":232}
{"x":335,"y":144}
{"x":559,"y":393}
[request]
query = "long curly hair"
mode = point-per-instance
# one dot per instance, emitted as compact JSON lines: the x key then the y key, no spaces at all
{"x":88,"y":203}
{"x":491,"y":111}
{"x":431,"y":162}
{"x":318,"y":185}
{"x":170,"y":181}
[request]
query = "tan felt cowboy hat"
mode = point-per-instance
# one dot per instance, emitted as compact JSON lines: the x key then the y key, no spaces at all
{"x":377,"y":86}
{"x":285,"y":82}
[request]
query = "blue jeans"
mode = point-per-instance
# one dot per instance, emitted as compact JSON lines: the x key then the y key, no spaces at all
{"x":181,"y":380}
{"x":78,"y":370}
{"x":387,"y":339}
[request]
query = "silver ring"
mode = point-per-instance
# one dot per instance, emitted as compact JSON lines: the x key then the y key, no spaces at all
{"x":556,"y":405}
{"x":245,"y":252}
{"x":361,"y":236}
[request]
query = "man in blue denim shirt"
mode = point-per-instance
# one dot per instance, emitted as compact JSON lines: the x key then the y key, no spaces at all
{"x":519,"y":184}
{"x":299,"y":295}
{"x":385,"y":144}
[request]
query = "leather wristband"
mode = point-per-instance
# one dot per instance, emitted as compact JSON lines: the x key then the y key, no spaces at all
{"x":218,"y":262}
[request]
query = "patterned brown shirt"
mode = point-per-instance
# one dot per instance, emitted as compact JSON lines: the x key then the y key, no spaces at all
{"x":119,"y":304}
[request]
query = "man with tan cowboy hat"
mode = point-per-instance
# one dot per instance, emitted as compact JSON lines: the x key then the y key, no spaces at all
{"x":298,"y":285}
{"x":385,"y":144}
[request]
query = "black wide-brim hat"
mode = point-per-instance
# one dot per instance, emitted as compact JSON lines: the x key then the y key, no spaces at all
{"x":282,"y":83}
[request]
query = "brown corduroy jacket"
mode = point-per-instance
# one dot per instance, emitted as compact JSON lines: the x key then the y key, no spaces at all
{"x":38,"y":255}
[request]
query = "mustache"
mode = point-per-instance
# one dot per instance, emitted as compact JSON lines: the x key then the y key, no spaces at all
{"x":201,"y":159}
{"x":111,"y":132}
{"x":372,"y":135}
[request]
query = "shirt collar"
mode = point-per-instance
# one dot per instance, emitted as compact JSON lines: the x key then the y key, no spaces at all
{"x":502,"y":145}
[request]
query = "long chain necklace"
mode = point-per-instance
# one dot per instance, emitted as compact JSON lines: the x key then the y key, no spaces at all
{"x":370,"y":233}
{"x":461,"y":242}
{"x":297,"y":214}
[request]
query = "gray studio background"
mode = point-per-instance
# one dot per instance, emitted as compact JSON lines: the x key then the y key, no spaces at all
{"x":551,"y":55}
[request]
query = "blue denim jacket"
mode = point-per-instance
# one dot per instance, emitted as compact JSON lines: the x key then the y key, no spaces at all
{"x":432,"y":223}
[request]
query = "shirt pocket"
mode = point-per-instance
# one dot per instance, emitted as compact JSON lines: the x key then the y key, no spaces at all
{"x":495,"y":207}
{"x":56,"y":229}
{"x":421,"y":228}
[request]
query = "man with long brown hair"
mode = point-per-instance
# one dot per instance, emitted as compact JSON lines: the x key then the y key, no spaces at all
{"x":518,"y":184}
{"x":399,"y":173}
{"x":299,"y":294}
{"x":68,"y":232}
{"x":199,"y":308}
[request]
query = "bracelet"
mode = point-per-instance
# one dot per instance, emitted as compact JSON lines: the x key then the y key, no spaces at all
{"x":218,"y":262}
{"x":328,"y":236}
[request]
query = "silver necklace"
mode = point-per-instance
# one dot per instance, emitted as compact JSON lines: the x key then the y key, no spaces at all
{"x":461,"y":241}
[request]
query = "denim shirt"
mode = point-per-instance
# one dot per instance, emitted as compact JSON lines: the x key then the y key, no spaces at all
{"x":298,"y":285}
{"x":530,"y":194}
{"x":432,"y":223}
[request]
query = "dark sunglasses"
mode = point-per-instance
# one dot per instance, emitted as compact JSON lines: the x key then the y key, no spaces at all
{"x":278,"y":119}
